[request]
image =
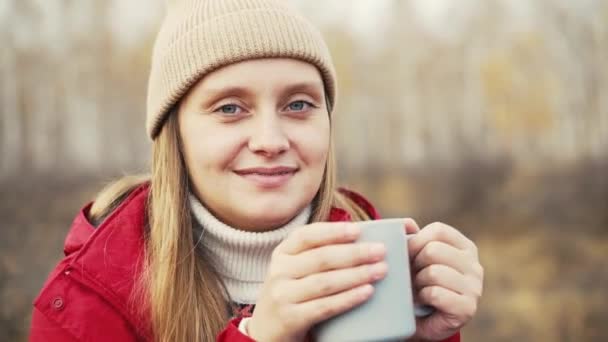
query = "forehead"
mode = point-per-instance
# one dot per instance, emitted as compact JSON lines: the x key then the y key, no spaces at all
{"x":273,"y":72}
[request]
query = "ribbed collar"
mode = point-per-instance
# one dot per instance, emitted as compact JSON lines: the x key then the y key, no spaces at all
{"x":241,"y":257}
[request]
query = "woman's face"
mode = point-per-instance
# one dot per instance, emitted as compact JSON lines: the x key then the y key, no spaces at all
{"x":255,"y":138}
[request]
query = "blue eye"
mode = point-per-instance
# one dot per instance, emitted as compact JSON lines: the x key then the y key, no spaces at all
{"x":229,"y":109}
{"x":298,"y":106}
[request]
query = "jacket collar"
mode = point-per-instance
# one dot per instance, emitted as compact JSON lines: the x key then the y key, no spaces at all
{"x":108,"y":258}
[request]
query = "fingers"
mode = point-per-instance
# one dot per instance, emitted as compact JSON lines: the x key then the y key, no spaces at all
{"x":316,"y":235}
{"x":440,"y":232}
{"x":328,"y":283}
{"x":436,"y":252}
{"x":333,"y":257}
{"x":449,"y":302}
{"x":320,"y":309}
{"x":449,"y":278}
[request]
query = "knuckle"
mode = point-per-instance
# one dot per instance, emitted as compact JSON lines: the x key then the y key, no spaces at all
{"x":434,"y":273}
{"x":325,"y":286}
{"x":435,"y":224}
{"x":432,"y":250}
{"x":436,"y":227}
{"x":323,"y":259}
{"x":443,"y":231}
{"x":434,"y":295}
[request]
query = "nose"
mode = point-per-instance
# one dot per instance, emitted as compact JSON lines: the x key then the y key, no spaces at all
{"x":268,"y":137}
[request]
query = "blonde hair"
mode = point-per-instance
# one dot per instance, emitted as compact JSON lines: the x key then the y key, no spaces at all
{"x":184,"y":294}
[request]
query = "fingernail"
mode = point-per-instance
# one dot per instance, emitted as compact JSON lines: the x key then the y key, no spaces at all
{"x":377,"y":250}
{"x":378,"y":271}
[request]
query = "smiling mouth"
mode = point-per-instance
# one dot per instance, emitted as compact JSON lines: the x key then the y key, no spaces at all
{"x":267,"y":171}
{"x":265,"y":177}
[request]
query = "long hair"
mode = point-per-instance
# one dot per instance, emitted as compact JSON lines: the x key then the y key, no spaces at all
{"x":185,"y":296}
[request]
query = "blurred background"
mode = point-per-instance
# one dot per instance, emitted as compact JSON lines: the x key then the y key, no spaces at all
{"x":489,"y":115}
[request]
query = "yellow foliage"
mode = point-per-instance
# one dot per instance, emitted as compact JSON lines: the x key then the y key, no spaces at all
{"x":519,"y":89}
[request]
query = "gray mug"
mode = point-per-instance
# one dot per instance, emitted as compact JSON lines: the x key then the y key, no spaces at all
{"x":389,"y":315}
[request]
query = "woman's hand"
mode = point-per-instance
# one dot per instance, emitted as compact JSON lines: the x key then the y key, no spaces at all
{"x":314,"y":274}
{"x":446,"y":275}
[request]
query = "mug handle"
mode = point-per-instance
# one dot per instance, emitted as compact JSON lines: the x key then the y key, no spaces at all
{"x":422,"y":311}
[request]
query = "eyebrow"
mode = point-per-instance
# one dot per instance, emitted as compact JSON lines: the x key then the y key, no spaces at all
{"x":212,"y":95}
{"x":315,"y":89}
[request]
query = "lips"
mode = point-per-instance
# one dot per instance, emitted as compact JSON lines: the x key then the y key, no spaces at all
{"x":267,"y":171}
{"x":267,"y":177}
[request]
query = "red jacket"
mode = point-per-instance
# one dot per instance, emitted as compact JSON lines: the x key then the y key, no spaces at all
{"x":86,"y":297}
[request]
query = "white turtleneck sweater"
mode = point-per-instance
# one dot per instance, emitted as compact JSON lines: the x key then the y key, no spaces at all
{"x":241,"y":257}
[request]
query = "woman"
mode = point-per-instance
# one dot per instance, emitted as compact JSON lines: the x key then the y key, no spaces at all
{"x":240,"y":219}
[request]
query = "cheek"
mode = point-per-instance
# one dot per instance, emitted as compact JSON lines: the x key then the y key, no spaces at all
{"x":312,"y":144}
{"x":211,"y":147}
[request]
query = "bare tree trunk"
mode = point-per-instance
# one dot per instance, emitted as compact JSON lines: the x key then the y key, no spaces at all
{"x":9,"y":114}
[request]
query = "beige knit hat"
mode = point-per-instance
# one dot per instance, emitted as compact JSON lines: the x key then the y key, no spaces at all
{"x":199,"y":36}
